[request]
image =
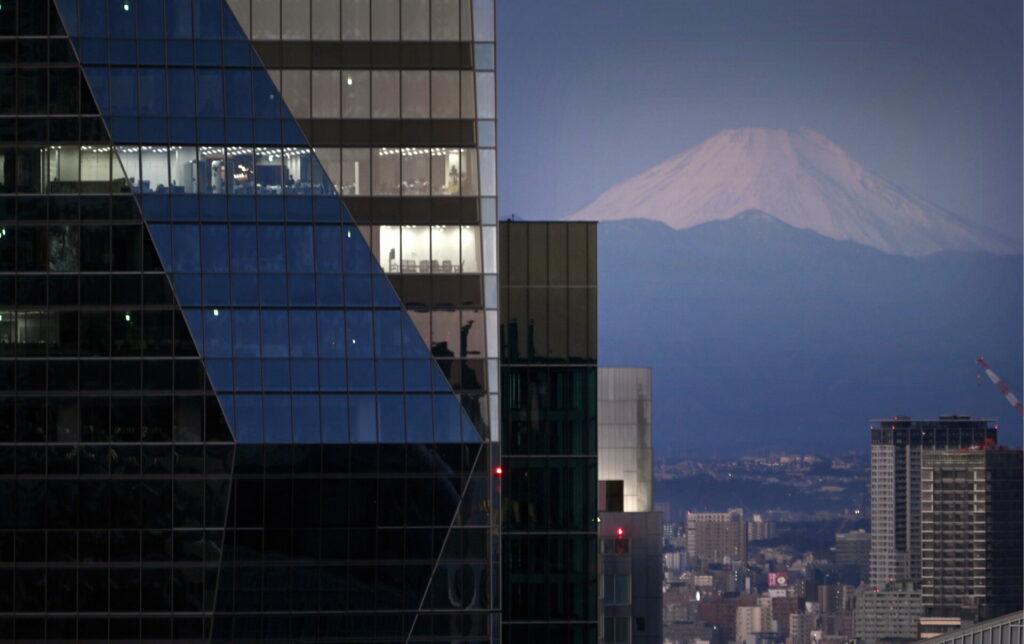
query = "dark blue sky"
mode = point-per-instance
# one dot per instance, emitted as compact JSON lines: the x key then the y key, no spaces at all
{"x":927,"y":93}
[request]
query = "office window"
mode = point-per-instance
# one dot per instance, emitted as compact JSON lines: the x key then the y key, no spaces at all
{"x":386,"y":171}
{"x":444,"y":20}
{"x":63,"y":248}
{"x":488,"y":173}
{"x":326,"y":19}
{"x":266,"y":19}
{"x":183,"y":169}
{"x":485,"y":94}
{"x":386,"y":91}
{"x":469,"y":176}
{"x":330,"y":161}
{"x":63,"y":166}
{"x":70,"y":168}
{"x":155,"y":168}
{"x":444,"y":94}
{"x":151,"y":17}
{"x":296,"y":91}
{"x":415,"y":19}
{"x":616,"y":590}
{"x":483,"y":56}
{"x":445,"y":171}
{"x":445,"y":249}
{"x":483,"y":19}
{"x":415,"y":94}
{"x":415,"y":172}
{"x":468,"y":89}
{"x":613,"y":495}
{"x":355,"y":94}
{"x":388,"y":247}
{"x":295,"y":19}
{"x":355,"y":171}
{"x":486,"y":134}
{"x":466,"y":20}
{"x":355,"y":19}
{"x":428,"y":249}
{"x":614,"y":546}
{"x":471,"y":250}
{"x":7,"y":175}
{"x":416,"y":249}
{"x":384,"y":16}
{"x":616,"y":630}
{"x":326,"y":93}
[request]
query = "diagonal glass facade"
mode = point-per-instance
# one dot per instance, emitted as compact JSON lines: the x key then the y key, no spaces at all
{"x":224,"y":417}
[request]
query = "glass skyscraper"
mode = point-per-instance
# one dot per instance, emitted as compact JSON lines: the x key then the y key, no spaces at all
{"x":248,"y":321}
{"x":549,"y":431}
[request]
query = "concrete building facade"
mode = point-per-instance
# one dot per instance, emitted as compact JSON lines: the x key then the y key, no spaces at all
{"x":971,"y":533}
{"x":886,"y":614}
{"x":853,"y":552}
{"x":716,"y":537}
{"x":897,"y":446}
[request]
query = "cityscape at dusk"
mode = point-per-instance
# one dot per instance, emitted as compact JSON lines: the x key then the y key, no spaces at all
{"x":572,"y":321}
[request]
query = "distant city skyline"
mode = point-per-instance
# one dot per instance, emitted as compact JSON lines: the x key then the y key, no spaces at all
{"x":927,"y":95}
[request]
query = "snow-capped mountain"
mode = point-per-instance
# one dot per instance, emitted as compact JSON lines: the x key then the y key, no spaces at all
{"x":800,"y":177}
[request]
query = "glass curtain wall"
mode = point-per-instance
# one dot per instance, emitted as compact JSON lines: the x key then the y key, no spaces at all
{"x":221,"y":419}
{"x":549,"y":431}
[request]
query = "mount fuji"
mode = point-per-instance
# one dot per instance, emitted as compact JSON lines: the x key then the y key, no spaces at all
{"x":803,"y":179}
{"x":784,"y":295}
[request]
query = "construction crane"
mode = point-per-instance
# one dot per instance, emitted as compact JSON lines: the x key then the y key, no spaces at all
{"x":998,"y":382}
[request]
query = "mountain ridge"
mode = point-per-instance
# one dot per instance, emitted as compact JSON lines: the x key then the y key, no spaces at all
{"x":800,"y":177}
{"x":766,"y":335}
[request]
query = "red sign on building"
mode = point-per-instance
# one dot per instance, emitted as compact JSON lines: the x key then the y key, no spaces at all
{"x":778,"y":579}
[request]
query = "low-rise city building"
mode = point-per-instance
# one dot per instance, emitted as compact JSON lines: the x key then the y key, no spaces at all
{"x":888,"y":614}
{"x":716,"y":537}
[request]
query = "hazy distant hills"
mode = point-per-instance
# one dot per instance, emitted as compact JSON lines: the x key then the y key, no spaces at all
{"x":762,"y":334}
{"x":803,"y":179}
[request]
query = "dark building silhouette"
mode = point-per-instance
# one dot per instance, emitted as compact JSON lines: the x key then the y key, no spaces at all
{"x":548,"y":283}
{"x":221,"y":417}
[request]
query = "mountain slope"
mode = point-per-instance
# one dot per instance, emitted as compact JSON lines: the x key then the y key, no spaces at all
{"x":800,"y":177}
{"x":764,"y":335}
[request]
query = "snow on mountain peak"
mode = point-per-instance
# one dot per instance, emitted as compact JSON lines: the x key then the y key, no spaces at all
{"x":800,"y":177}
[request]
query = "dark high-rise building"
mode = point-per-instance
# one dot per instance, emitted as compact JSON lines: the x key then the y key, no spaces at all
{"x":248,"y":321}
{"x":549,"y":431}
{"x":897,"y":449}
{"x":972,"y":533}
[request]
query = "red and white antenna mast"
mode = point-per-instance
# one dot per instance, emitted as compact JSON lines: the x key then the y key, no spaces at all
{"x":998,"y":382}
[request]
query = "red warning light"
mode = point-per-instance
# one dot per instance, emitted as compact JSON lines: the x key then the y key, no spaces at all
{"x":498,"y":471}
{"x":619,"y":531}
